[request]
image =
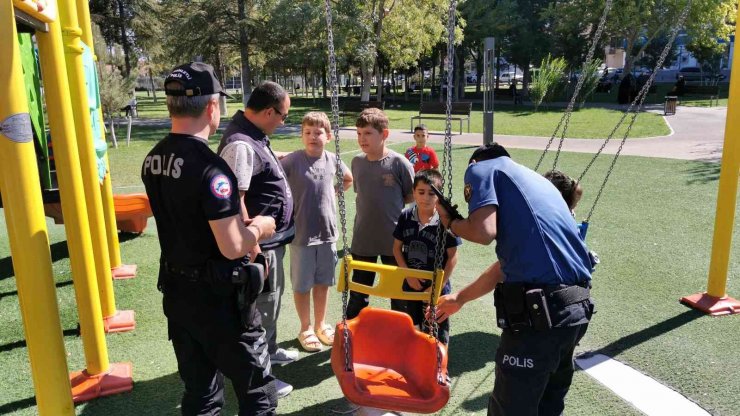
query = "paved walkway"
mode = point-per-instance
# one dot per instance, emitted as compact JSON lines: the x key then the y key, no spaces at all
{"x":697,"y":134}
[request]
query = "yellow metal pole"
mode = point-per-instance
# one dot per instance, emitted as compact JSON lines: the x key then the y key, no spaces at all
{"x":715,"y":300}
{"x":728,"y":179}
{"x":83,"y":11}
{"x":109,"y":211}
{"x":29,"y":241}
{"x":61,"y":123}
{"x":83,"y":130}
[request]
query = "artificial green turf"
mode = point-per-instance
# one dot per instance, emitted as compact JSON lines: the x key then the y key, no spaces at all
{"x":509,"y":120}
{"x":652,"y":230}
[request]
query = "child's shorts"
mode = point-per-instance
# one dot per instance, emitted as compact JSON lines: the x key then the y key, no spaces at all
{"x":312,"y":265}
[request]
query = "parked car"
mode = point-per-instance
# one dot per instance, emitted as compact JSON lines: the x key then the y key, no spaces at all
{"x":506,"y":77}
{"x":690,"y":73}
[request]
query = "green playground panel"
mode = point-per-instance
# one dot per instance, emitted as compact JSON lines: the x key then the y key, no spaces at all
{"x":32,"y":80}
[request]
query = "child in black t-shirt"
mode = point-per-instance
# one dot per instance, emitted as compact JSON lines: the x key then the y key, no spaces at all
{"x":414,"y":246}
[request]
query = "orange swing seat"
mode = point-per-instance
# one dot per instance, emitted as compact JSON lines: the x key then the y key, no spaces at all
{"x":132,"y":212}
{"x":394,"y":364}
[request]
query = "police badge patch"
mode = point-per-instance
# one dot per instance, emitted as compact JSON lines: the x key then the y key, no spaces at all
{"x":468,"y":192}
{"x":221,"y":187}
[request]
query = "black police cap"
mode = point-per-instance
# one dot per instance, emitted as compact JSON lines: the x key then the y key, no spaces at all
{"x":195,"y":78}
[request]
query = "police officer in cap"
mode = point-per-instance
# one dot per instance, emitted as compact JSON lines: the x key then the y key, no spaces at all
{"x":209,"y":292}
{"x":541,"y":280}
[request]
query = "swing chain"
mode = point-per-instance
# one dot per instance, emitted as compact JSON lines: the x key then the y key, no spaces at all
{"x":446,"y":174}
{"x":639,"y":100}
{"x":340,"y":180}
{"x":579,"y":85}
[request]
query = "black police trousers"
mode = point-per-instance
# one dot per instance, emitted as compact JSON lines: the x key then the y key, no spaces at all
{"x":358,"y":301}
{"x":534,"y":370}
{"x":210,"y":342}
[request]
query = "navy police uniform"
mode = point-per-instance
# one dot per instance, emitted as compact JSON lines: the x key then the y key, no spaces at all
{"x":189,"y":185}
{"x":543,"y":305}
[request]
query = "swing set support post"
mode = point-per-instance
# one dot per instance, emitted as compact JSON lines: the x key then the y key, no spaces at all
{"x":715,"y":301}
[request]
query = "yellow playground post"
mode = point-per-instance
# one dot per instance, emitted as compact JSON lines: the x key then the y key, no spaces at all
{"x":715,"y":300}
{"x":113,"y":320}
{"x":29,"y":241}
{"x":118,"y":269}
{"x":100,"y":378}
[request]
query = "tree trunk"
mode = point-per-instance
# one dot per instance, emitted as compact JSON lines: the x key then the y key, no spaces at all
{"x":442,"y":75}
{"x":323,"y":79}
{"x":459,"y":72}
{"x":112,"y":131}
{"x":244,"y":53}
{"x":379,"y":83}
{"x":154,"y":87}
{"x":479,"y":68}
{"x":406,"y":84}
{"x":366,"y":79}
{"x":124,"y":38}
{"x":305,"y":81}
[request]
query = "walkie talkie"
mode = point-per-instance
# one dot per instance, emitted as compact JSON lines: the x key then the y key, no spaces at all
{"x":447,"y":205}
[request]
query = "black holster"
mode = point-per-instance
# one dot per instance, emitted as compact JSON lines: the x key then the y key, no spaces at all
{"x":248,"y":280}
{"x":239,"y":280}
{"x":519,"y":307}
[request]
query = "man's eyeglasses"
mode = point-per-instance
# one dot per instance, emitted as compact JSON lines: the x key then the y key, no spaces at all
{"x":283,"y":116}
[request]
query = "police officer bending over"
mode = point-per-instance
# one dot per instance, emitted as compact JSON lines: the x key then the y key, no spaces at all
{"x":209,"y":291}
{"x":541,"y":280}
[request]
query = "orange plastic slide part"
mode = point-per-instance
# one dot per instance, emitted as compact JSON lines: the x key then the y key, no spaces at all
{"x":132,"y":212}
{"x":395,"y":365}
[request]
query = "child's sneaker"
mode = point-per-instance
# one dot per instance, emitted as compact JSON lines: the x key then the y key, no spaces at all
{"x":283,"y":356}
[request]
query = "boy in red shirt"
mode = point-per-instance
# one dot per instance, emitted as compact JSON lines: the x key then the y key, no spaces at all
{"x":421,"y":155}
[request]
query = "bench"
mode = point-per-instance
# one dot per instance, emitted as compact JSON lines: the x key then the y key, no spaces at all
{"x":431,"y":110}
{"x":703,"y":91}
{"x":355,"y":107}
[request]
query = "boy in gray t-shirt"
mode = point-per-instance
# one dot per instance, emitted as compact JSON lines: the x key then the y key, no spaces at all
{"x":383,"y":184}
{"x":313,"y":254}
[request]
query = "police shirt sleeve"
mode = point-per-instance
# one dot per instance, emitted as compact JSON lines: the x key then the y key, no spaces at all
{"x":479,"y":188}
{"x":219,"y":195}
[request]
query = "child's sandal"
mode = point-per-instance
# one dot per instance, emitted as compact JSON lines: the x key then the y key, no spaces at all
{"x":309,"y":342}
{"x":325,"y":334}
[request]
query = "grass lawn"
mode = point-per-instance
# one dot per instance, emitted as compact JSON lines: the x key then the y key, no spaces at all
{"x":511,"y":120}
{"x":654,"y":248}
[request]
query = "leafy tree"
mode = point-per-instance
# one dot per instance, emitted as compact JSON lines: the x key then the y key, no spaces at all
{"x":590,"y":77}
{"x":545,"y":79}
{"x":637,"y":23}
{"x":129,"y":23}
{"x":719,"y":23}
{"x":483,"y":20}
{"x":115,"y":88}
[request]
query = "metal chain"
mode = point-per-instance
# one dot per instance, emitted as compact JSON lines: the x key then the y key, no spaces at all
{"x":340,"y":180}
{"x":446,"y":178}
{"x":639,"y":100}
{"x":566,"y":116}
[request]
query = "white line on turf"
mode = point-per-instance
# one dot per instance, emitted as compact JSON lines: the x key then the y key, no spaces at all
{"x":643,"y":392}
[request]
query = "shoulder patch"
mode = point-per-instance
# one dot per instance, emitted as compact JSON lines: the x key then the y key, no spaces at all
{"x":221,"y":187}
{"x":468,"y":192}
